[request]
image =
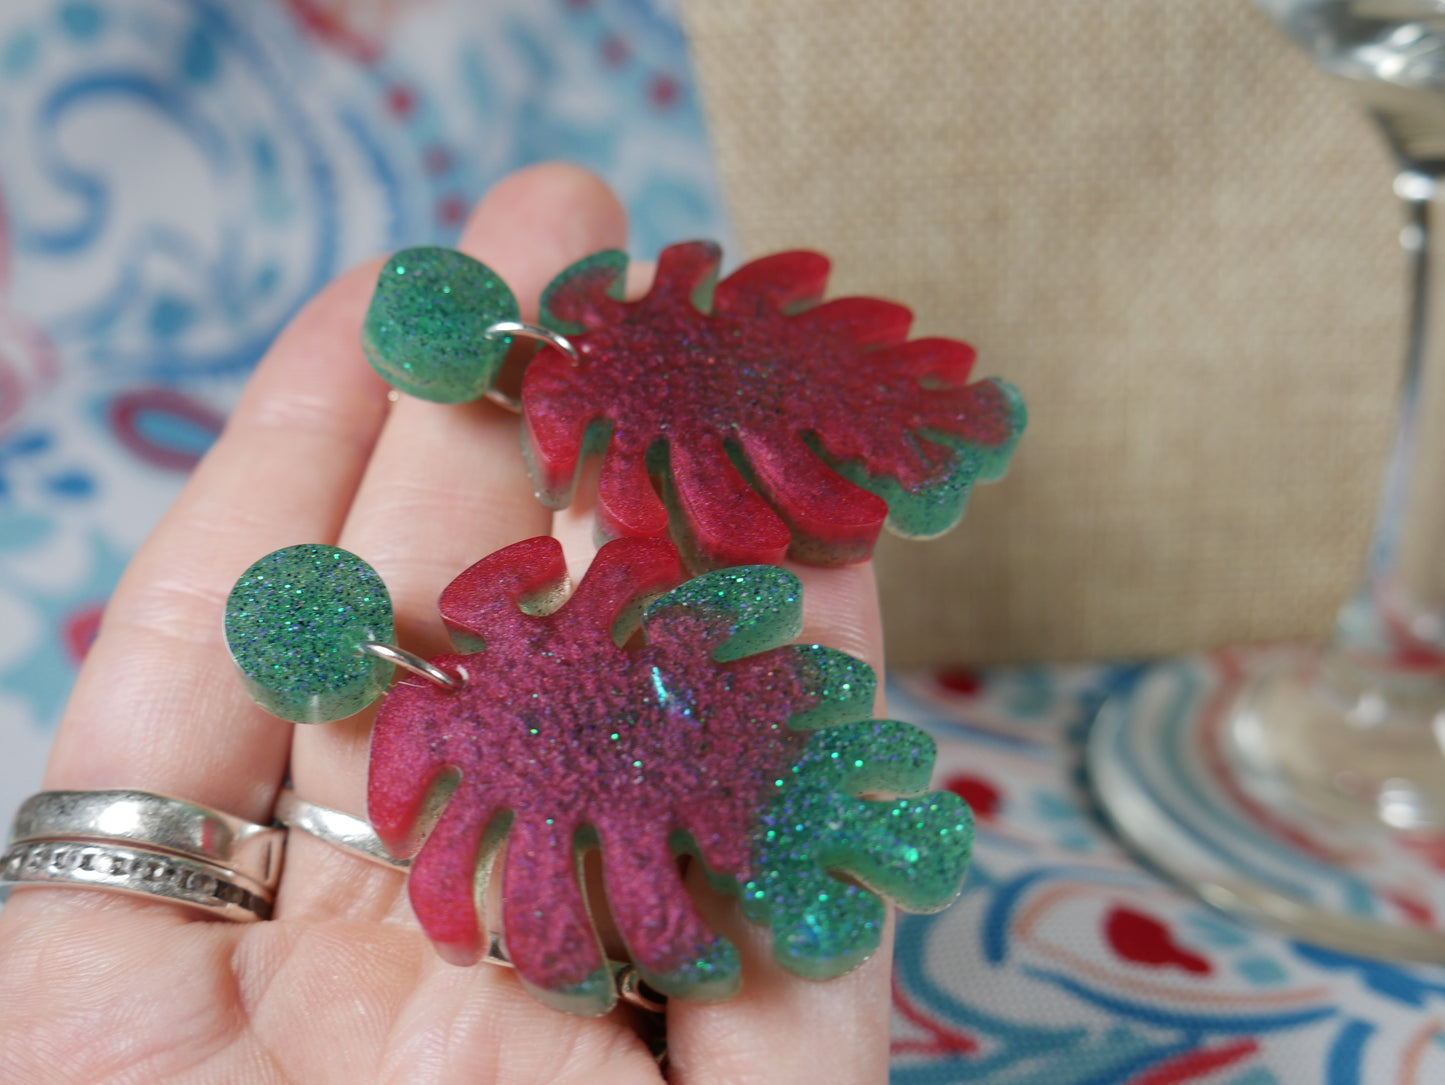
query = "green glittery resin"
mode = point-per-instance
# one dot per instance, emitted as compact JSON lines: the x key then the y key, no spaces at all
{"x":293,"y":624}
{"x":913,"y":849}
{"x":424,"y":331}
{"x":933,"y":510}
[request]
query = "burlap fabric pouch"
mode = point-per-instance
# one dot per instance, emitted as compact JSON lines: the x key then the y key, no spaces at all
{"x":1158,"y":219}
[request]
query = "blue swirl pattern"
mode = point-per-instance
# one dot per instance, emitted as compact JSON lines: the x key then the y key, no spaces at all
{"x":177,"y":177}
{"x":1066,"y":963}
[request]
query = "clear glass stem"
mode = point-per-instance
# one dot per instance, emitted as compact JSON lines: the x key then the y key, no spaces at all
{"x":1359,"y":731}
{"x":1396,"y":623}
{"x":1304,"y":785}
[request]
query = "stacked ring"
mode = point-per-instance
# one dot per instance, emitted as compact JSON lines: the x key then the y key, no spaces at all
{"x":149,"y":845}
{"x":145,"y":844}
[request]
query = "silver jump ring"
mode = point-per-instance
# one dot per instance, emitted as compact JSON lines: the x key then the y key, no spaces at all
{"x":506,"y":402}
{"x":527,"y":331}
{"x":630,"y":988}
{"x":416,"y":664}
{"x":128,"y":816}
{"x":356,"y":836}
{"x":532,"y":331}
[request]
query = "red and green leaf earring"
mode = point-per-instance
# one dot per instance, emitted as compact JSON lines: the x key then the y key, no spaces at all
{"x":747,"y":418}
{"x":714,"y":738}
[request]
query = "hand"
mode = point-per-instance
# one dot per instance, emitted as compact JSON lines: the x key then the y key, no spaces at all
{"x":341,"y":985}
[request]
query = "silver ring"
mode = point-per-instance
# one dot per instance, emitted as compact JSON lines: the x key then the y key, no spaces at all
{"x":410,"y":661}
{"x":137,"y":871}
{"x":355,"y":836}
{"x":350,"y":834}
{"x":532,"y":331}
{"x":127,"y":817}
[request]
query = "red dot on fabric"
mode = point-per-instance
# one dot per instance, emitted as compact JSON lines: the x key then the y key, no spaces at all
{"x":401,"y":100}
{"x":451,"y":210}
{"x":664,"y":91}
{"x":1143,"y":939}
{"x":80,"y":629}
{"x":960,"y":680}
{"x":981,"y":795}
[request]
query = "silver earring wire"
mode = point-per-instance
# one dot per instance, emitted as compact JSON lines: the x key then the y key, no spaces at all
{"x":533,"y":331}
{"x":416,"y":664}
{"x":526,"y":331}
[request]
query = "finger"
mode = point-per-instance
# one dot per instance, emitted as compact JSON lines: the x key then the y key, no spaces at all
{"x":840,"y":609}
{"x":447,"y":485}
{"x":781,"y":1027}
{"x":156,"y":705}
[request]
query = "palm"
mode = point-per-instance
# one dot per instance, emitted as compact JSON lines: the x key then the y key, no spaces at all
{"x":341,"y":985}
{"x":233,"y":1003}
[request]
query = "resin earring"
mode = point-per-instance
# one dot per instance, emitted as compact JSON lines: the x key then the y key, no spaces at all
{"x":747,"y":418}
{"x":710,"y":739}
{"x":647,"y":717}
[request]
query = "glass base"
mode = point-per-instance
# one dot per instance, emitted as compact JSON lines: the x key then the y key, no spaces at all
{"x":1342,"y":741}
{"x":1281,"y":785}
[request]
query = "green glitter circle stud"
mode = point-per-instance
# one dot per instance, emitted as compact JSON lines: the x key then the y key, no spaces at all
{"x":294,"y":624}
{"x":427,"y":329}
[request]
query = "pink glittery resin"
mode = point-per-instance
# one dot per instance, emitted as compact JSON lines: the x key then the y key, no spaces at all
{"x":567,"y":734}
{"x":761,"y":402}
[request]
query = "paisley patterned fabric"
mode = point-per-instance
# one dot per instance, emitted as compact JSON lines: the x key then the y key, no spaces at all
{"x":178,"y":176}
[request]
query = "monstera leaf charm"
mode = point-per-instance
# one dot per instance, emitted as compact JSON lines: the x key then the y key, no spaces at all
{"x":708,"y":736}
